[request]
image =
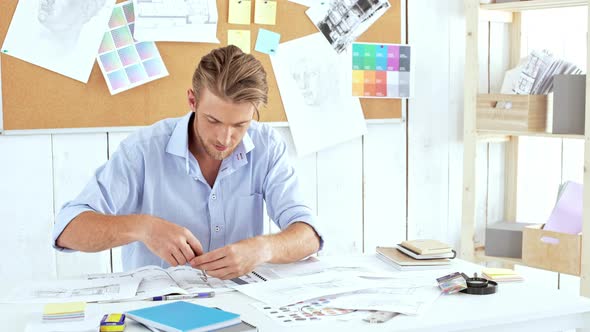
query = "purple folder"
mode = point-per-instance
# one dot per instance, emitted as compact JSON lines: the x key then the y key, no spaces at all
{"x":566,"y":216}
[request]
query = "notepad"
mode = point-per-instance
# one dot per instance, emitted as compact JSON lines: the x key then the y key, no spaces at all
{"x":265,"y":12}
{"x":239,"y":12}
{"x":267,"y":41}
{"x":54,"y":312}
{"x":184,"y":317}
{"x":240,"y":38}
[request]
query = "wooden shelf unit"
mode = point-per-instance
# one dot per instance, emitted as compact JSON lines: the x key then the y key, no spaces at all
{"x":509,"y":12}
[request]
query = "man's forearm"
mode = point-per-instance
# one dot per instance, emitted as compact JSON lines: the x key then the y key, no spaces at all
{"x":298,"y":241}
{"x":93,"y":232}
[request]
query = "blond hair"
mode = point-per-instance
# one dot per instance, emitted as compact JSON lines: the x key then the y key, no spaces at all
{"x":232,"y":75}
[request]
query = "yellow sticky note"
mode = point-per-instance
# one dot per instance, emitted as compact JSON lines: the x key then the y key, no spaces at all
{"x":240,"y":38}
{"x":64,"y":308}
{"x":265,"y":12}
{"x":239,"y":11}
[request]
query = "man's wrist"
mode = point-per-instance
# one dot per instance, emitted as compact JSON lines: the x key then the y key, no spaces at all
{"x":139,"y":227}
{"x":265,"y":248}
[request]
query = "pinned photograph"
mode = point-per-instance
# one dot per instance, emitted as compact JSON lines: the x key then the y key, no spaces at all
{"x":342,"y":21}
{"x":59,"y":35}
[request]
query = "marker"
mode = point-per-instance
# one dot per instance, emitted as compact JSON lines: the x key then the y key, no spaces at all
{"x":183,"y":297}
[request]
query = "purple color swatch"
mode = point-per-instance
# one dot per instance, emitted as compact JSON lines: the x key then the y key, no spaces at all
{"x":118,"y":79}
{"x":154,"y":67}
{"x":110,"y":61}
{"x":122,"y":37}
{"x":146,"y":50}
{"x":128,"y":55}
{"x":136,"y":73}
{"x":129,"y":12}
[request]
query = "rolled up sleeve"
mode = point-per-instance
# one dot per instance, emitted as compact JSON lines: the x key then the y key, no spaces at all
{"x":284,"y":201}
{"x":113,"y":190}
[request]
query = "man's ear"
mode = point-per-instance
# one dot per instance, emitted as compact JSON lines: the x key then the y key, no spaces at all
{"x":191,"y":99}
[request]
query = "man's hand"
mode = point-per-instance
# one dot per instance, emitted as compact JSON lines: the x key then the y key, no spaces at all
{"x":234,"y":260}
{"x":174,"y":244}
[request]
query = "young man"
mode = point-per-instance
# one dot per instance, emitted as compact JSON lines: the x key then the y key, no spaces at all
{"x":191,"y":189}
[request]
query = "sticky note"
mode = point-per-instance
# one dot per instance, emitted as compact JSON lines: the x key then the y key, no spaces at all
{"x":267,"y":41}
{"x":240,"y":38}
{"x":64,"y":308}
{"x":239,"y":11}
{"x":265,"y":12}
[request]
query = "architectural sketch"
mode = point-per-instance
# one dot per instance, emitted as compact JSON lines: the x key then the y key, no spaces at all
{"x":67,"y":293}
{"x":342,"y":21}
{"x":176,"y":20}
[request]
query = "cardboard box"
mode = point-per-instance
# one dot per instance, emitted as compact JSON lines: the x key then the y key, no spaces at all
{"x":559,"y":252}
{"x":504,"y":239}
{"x":512,"y":112}
{"x":569,"y":100}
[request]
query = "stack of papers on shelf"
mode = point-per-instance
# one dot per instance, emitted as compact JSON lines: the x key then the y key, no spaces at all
{"x":184,"y":316}
{"x":404,"y":262}
{"x":63,"y":312}
{"x":500,"y":275}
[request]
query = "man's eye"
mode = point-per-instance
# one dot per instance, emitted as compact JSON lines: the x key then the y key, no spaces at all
{"x":211,"y":120}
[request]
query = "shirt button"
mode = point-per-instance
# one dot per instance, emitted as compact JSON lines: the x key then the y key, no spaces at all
{"x":213,"y":196}
{"x":196,"y":178}
{"x":217,"y":228}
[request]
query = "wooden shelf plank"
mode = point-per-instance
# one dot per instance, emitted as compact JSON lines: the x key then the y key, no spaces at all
{"x":517,"y":6}
{"x":481,"y":257}
{"x":494,"y":134}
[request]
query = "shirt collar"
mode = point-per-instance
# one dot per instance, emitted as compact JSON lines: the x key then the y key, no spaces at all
{"x":178,"y":142}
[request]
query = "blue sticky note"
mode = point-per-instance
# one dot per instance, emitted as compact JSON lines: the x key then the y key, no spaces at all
{"x":267,"y":41}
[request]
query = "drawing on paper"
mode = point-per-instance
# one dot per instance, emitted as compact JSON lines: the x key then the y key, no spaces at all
{"x":66,"y":293}
{"x":342,"y":21}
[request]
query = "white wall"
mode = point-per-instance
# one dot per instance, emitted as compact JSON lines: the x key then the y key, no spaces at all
{"x":401,"y":179}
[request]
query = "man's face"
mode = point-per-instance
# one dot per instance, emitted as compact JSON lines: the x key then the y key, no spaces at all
{"x":220,"y":125}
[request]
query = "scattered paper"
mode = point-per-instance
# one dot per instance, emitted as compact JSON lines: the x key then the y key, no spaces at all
{"x":265,"y":12}
{"x":124,"y":62}
{"x":341,"y":22}
{"x":267,"y":41}
{"x":239,"y":11}
{"x":287,"y":291}
{"x":176,"y":20}
{"x":240,"y":38}
{"x":73,"y":291}
{"x":381,"y":70}
{"x":91,"y":323}
{"x":156,"y":281}
{"x":57,"y":36}
{"x":314,"y":82}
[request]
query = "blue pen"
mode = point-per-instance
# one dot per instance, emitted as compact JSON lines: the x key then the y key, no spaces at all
{"x":183,"y":297}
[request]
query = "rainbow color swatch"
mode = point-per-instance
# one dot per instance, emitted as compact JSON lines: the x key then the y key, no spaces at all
{"x":125,"y":62}
{"x":381,"y":70}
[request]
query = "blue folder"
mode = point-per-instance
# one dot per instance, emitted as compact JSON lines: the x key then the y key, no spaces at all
{"x":183,"y":316}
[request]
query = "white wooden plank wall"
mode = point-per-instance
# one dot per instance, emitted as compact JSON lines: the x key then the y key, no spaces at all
{"x":26,"y":208}
{"x":428,"y":132}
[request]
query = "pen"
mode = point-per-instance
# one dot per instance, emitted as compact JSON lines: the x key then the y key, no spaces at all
{"x":183,"y":297}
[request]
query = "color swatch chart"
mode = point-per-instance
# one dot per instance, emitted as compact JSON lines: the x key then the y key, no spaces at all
{"x":381,"y":70}
{"x":126,"y":63}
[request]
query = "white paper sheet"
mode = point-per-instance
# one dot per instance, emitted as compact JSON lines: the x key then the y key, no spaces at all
{"x":340,"y":29}
{"x":287,"y":291}
{"x":314,"y":82}
{"x":62,"y":36}
{"x":176,"y":20}
{"x":91,"y":323}
{"x":307,"y":3}
{"x":61,"y":291}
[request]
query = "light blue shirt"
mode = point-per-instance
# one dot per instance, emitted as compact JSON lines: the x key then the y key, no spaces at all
{"x":154,"y":173}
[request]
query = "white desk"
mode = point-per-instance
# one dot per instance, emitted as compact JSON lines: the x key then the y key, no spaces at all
{"x":516,"y":307}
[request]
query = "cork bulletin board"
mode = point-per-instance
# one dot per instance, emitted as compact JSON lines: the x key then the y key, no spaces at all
{"x":36,"y":98}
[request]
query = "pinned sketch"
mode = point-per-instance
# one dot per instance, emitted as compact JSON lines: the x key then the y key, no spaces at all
{"x":124,"y":62}
{"x":61,"y":36}
{"x":176,"y":20}
{"x":314,"y":83}
{"x":382,"y":70}
{"x":342,"y":21}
